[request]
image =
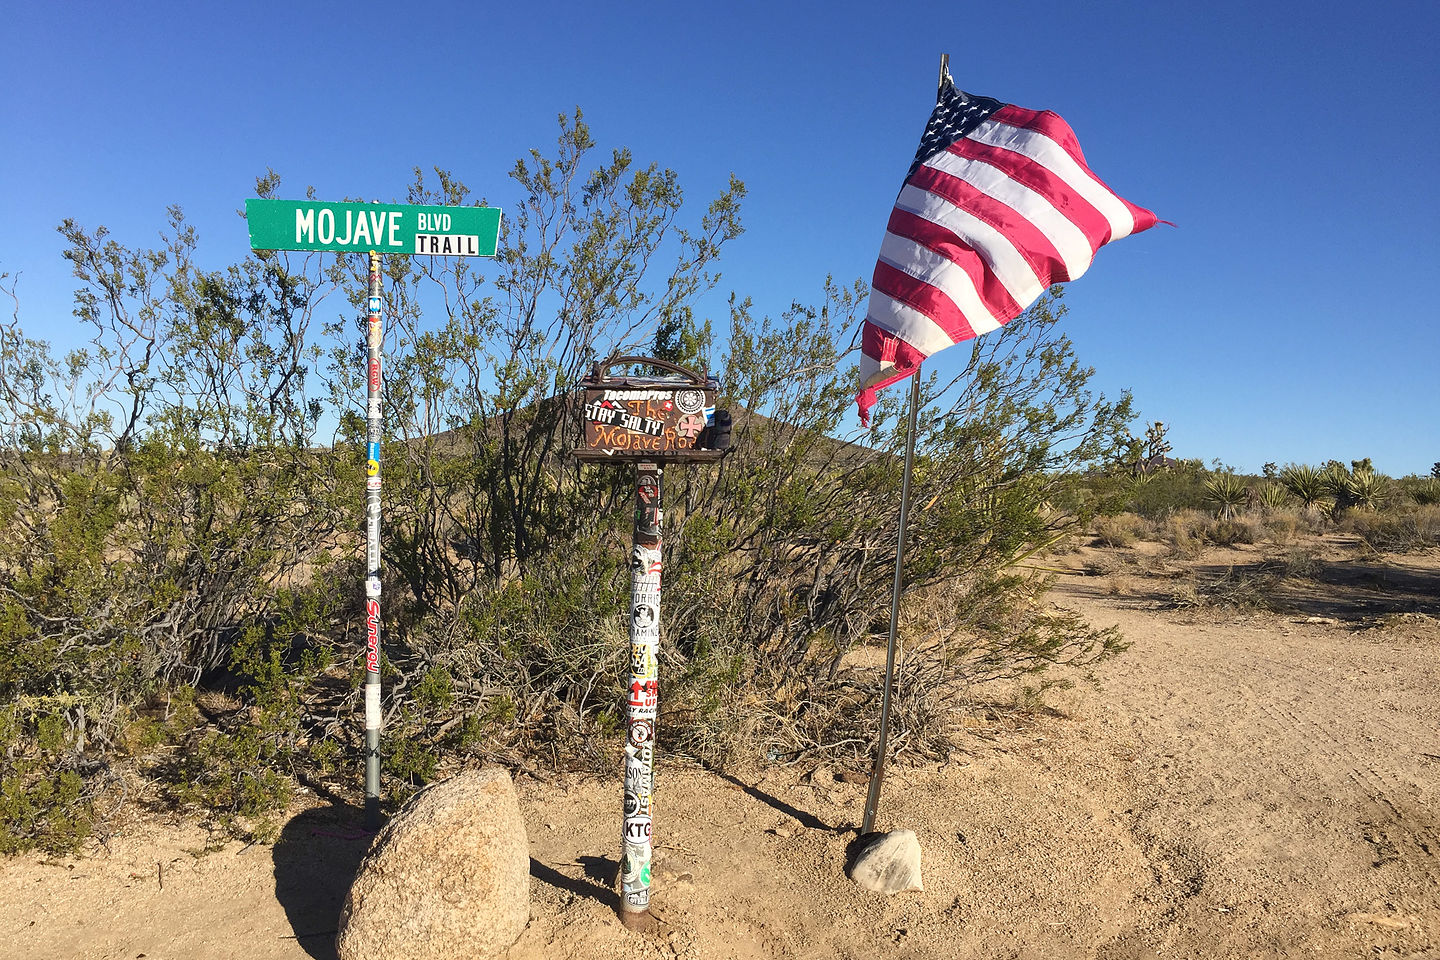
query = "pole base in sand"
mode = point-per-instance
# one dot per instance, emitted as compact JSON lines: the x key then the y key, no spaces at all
{"x":640,"y":921}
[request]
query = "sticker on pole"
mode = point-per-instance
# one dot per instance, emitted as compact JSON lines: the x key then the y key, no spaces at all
{"x":372,"y":706}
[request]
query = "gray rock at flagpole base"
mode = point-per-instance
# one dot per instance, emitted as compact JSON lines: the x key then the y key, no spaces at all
{"x":888,"y":862}
{"x":448,"y":878}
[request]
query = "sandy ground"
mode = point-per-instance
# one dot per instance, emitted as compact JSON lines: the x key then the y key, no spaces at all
{"x":1236,"y":786}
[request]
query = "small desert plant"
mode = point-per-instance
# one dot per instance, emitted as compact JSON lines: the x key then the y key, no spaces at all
{"x":1229,"y":531}
{"x":1228,"y":493}
{"x":1300,"y":562}
{"x":1237,"y":588}
{"x":1184,"y":532}
{"x":1102,"y":565}
{"x":1284,"y":525}
{"x":1121,"y":530}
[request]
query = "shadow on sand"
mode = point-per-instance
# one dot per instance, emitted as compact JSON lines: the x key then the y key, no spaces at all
{"x":804,"y":817}
{"x":598,"y":883}
{"x":316,"y":860}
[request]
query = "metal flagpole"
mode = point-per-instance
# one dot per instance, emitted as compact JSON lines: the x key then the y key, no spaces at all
{"x":636,"y":848}
{"x":373,"y":340}
{"x":872,"y":798}
{"x":877,"y":775}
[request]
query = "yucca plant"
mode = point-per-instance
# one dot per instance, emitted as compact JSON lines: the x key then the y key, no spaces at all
{"x":1228,"y":493}
{"x":1305,"y":484}
{"x":1272,"y":497}
{"x":1360,"y":487}
{"x":1426,"y":493}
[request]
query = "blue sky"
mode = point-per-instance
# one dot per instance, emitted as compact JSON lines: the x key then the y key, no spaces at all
{"x":1290,"y":316}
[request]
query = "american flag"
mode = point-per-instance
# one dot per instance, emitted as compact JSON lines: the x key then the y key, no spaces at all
{"x":998,"y":206}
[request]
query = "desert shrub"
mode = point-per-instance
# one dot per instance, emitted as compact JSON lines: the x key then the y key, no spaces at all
{"x":46,"y":799}
{"x":1302,"y":563}
{"x":173,"y":517}
{"x":1102,"y":565}
{"x":1169,"y":490}
{"x":1227,"y":532}
{"x":1122,"y":530}
{"x":1185,"y":533}
{"x":163,"y":487}
{"x":1399,"y":529}
{"x":1284,"y":525}
{"x":1247,"y":588}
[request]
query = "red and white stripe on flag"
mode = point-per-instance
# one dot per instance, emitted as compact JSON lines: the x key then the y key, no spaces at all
{"x":993,"y":213}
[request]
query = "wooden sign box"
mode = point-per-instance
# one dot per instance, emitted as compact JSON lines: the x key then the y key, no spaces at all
{"x":668,"y":419}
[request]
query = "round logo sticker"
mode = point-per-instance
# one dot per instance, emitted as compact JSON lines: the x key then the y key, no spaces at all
{"x":640,"y":732}
{"x":689,"y":401}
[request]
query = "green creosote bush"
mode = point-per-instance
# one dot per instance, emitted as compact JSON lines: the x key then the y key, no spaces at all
{"x":1168,"y":490}
{"x":45,"y":800}
{"x":181,"y":515}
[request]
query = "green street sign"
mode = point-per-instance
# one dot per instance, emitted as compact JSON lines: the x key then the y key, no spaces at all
{"x":382,"y":227}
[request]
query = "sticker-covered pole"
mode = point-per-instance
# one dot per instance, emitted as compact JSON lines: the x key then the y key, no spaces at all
{"x":636,"y":848}
{"x":374,"y":336}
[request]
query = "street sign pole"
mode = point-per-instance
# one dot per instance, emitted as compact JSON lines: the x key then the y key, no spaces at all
{"x":374,"y":338}
{"x":375,"y":229}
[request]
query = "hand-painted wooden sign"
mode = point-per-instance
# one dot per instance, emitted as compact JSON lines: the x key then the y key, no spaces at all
{"x":656,"y":419}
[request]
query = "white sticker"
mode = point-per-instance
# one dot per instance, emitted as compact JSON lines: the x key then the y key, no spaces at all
{"x":372,"y":706}
{"x":372,"y":587}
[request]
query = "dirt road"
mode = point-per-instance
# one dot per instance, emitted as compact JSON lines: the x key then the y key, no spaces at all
{"x":1240,"y":787}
